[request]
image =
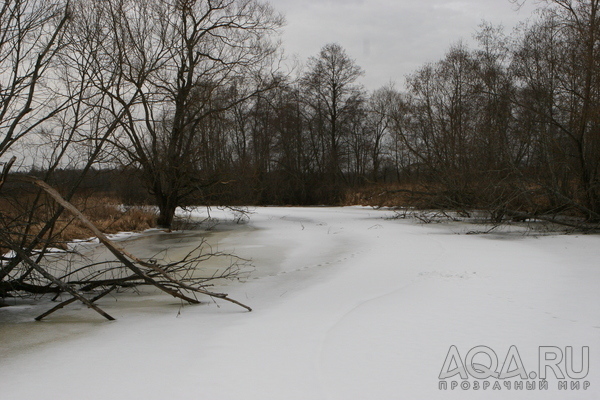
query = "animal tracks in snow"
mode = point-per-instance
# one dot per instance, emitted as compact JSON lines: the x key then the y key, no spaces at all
{"x":448,"y":275}
{"x":308,"y":267}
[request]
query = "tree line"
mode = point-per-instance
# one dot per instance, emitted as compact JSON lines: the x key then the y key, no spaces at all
{"x":511,"y":126}
{"x":190,"y":98}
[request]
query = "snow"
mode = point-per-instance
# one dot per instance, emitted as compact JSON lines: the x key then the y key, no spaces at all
{"x":348,"y":304}
{"x":6,"y":257}
{"x":115,"y":237}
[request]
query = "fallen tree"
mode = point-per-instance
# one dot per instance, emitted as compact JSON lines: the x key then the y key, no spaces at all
{"x":174,"y":278}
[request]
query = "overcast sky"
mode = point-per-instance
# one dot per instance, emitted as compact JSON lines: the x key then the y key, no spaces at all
{"x":390,"y":38}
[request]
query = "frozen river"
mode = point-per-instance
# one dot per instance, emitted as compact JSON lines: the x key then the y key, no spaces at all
{"x":348,"y":304}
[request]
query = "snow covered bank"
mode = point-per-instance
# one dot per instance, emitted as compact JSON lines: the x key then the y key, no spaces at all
{"x":348,"y":305}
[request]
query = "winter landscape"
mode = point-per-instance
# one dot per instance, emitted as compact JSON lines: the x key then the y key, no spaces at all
{"x":316,"y":199}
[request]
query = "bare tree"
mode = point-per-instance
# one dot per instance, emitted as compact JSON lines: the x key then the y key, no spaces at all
{"x":332,"y":93}
{"x":380,"y":108}
{"x":30,"y":36}
{"x":560,"y":75}
{"x":170,"y":67}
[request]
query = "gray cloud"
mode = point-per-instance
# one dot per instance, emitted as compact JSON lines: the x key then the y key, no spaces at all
{"x":390,"y":38}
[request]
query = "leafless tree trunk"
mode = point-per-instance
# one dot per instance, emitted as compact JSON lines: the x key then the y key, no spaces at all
{"x":332,"y":92}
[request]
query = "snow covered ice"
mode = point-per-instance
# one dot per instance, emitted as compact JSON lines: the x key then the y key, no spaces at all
{"x":348,"y":304}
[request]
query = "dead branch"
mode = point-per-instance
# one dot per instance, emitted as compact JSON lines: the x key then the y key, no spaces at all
{"x":581,"y":226}
{"x":72,"y":300}
{"x":25,"y":257}
{"x":6,"y":169}
{"x":172,"y":286}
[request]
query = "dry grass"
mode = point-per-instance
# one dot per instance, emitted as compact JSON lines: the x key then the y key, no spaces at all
{"x":109,"y":219}
{"x":102,"y":210}
{"x":391,"y":195}
{"x":106,"y":213}
{"x":484,"y":195}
